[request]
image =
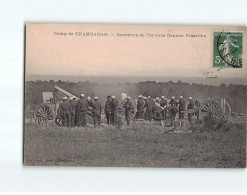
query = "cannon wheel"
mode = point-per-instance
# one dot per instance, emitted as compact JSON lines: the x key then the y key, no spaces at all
{"x":121,"y":111}
{"x":197,"y":105}
{"x":44,"y":115}
{"x":213,"y":108}
{"x":227,"y":112}
{"x":58,"y":121}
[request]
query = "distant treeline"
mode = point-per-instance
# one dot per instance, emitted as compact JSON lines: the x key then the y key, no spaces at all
{"x":234,"y":94}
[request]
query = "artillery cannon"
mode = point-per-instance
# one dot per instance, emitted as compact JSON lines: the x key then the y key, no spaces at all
{"x":218,"y":109}
{"x":48,"y":112}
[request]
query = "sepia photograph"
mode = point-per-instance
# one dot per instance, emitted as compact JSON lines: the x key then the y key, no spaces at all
{"x":111,"y":95}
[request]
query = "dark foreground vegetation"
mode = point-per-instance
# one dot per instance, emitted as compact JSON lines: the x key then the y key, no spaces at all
{"x":140,"y":145}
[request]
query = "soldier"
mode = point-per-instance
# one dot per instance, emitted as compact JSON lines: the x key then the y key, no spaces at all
{"x":153,"y":107}
{"x":149,"y":108}
{"x":77,"y":114}
{"x":66,"y":110}
{"x":90,"y":104}
{"x":82,"y":108}
{"x":145,"y":108}
{"x":73,"y":103}
{"x":96,"y":111}
{"x":114,"y":110}
{"x":61,"y":112}
{"x":181,"y":107}
{"x":140,"y":108}
{"x":157,"y":100}
{"x":108,"y":110}
{"x":190,"y":105}
{"x":163,"y":103}
{"x":173,"y":110}
{"x":128,"y":106}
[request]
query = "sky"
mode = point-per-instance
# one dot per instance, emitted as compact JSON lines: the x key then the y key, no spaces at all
{"x":52,"y":49}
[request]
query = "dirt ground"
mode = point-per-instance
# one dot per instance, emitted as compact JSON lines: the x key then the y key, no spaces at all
{"x":139,"y":145}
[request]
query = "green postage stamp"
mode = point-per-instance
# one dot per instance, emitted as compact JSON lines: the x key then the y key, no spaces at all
{"x":227,"y":49}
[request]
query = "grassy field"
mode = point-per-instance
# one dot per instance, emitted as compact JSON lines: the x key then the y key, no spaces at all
{"x":140,"y":145}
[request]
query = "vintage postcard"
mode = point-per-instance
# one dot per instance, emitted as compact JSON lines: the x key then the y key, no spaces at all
{"x":108,"y":95}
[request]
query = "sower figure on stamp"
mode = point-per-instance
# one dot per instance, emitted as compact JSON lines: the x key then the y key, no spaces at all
{"x":190,"y":105}
{"x":66,"y":112}
{"x":96,"y":111}
{"x":114,"y":110}
{"x":181,"y":107}
{"x":73,"y":103}
{"x":108,"y":110}
{"x":128,"y":106}
{"x":173,"y":110}
{"x":82,"y":107}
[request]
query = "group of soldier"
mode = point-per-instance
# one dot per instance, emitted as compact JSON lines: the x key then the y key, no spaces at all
{"x":161,"y":109}
{"x":74,"y":112}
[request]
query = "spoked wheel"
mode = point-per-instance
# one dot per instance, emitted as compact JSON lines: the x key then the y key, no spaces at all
{"x":44,"y":115}
{"x":211,"y":108}
{"x":58,"y":121}
{"x":197,"y":105}
{"x":121,"y":111}
{"x":226,"y":111}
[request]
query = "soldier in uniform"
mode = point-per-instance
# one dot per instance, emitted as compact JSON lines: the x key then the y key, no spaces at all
{"x":181,"y":107}
{"x":157,"y":100}
{"x":163,"y":103}
{"x":149,"y":108}
{"x":66,"y":110}
{"x":153,"y":107}
{"x":114,"y":110}
{"x":173,"y":110}
{"x":140,"y":108}
{"x":73,"y":103}
{"x":61,"y":112}
{"x":190,"y":105}
{"x":108,"y":110}
{"x":145,"y":108}
{"x":82,"y":108}
{"x":96,"y":111}
{"x":128,"y":106}
{"x":89,"y":104}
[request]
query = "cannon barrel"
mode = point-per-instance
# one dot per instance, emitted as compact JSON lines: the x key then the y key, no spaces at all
{"x":64,"y":92}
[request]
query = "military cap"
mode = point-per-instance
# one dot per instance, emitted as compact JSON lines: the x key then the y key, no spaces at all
{"x":181,"y":97}
{"x":149,"y":97}
{"x":173,"y":97}
{"x":145,"y":98}
{"x":139,"y":96}
{"x":96,"y":98}
{"x":74,"y":97}
{"x":65,"y":98}
{"x":70,"y":98}
{"x":113,"y":97}
{"x":162,"y":97}
{"x":190,"y":98}
{"x":157,"y":98}
{"x":129,"y":98}
{"x":82,"y":95}
{"x":89,"y":98}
